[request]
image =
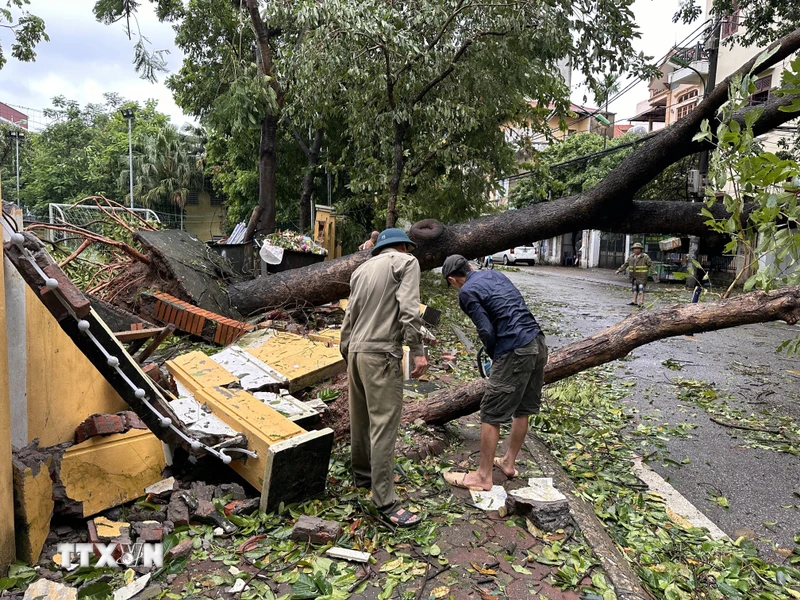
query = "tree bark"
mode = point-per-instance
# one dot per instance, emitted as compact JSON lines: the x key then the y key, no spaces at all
{"x":617,"y":341}
{"x":608,"y":207}
{"x":312,"y":154}
{"x":399,"y":164}
{"x":263,"y":218}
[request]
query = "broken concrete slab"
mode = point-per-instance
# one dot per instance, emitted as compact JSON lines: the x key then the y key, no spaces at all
{"x":291,"y":408}
{"x":234,"y":490}
{"x":254,"y":375}
{"x":347,"y":554}
{"x":198,"y":419}
{"x":133,"y":588}
{"x":162,"y":488}
{"x":308,"y":454}
{"x":178,"y":510}
{"x":195,"y":273}
{"x":52,"y":590}
{"x":315,"y":530}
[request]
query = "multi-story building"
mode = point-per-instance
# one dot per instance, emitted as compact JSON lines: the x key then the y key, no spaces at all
{"x":676,"y":91}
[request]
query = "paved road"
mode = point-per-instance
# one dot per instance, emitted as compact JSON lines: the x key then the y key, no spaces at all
{"x":743,"y":362}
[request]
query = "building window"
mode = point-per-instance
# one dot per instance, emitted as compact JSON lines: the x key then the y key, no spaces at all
{"x":216,"y":200}
{"x":730,"y":24}
{"x":761,"y":95}
{"x":685,"y":109}
{"x":688,"y":95}
{"x":193,"y":199}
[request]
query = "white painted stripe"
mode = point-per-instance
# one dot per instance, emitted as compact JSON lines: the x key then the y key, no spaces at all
{"x":675,"y":500}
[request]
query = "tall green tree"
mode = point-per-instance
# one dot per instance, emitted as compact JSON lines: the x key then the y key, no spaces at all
{"x":429,"y":83}
{"x":84,"y":149}
{"x":167,"y":166}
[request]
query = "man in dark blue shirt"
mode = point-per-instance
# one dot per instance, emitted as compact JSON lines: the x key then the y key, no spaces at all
{"x":515,"y":342}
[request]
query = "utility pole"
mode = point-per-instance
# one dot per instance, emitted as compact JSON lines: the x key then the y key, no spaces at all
{"x":712,"y":49}
{"x":17,"y":135}
{"x":128,"y":113}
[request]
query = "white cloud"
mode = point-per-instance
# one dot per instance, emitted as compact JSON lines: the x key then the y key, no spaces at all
{"x":85,"y":59}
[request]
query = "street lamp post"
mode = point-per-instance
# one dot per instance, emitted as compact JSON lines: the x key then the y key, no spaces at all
{"x":17,"y":135}
{"x":128,"y":114}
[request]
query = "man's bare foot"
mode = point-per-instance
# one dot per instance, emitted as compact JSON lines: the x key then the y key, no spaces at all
{"x":473,"y":479}
{"x":468,"y":481}
{"x":506,"y":467}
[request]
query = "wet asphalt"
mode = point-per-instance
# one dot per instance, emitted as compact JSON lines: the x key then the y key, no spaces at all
{"x":759,"y":484}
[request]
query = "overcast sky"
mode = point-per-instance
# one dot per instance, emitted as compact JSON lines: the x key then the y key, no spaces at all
{"x":84,"y":59}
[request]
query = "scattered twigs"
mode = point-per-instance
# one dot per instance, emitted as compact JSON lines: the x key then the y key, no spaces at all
{"x":744,"y":427}
{"x":84,"y":245}
{"x":129,"y":250}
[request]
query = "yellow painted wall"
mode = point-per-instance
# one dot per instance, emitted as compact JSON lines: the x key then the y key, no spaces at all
{"x":63,"y":386}
{"x":108,"y":471}
{"x":203,"y":220}
{"x":6,"y":475}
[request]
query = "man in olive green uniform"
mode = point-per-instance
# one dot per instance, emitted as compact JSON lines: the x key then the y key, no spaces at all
{"x":382,"y":314}
{"x":638,"y":267}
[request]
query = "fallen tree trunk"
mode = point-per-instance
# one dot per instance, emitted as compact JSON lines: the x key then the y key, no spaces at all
{"x":608,"y":206}
{"x":617,"y":341}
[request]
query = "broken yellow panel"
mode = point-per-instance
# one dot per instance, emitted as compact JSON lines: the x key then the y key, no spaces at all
{"x":196,"y":371}
{"x":33,"y":507}
{"x":329,"y":337}
{"x":300,"y":360}
{"x":108,"y":471}
{"x":108,"y":529}
{"x":262,"y":425}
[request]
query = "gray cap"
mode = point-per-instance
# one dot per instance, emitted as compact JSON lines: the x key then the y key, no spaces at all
{"x":453,"y":263}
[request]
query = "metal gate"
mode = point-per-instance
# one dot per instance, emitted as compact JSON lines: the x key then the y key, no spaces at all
{"x":612,"y":250}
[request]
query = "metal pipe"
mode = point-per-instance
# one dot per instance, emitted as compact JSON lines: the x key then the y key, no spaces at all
{"x":16,"y":143}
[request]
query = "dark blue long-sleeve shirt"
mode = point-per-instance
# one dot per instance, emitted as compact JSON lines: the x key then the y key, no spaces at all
{"x":499,"y":312}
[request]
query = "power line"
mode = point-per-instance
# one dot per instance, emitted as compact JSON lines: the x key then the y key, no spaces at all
{"x":693,"y":35}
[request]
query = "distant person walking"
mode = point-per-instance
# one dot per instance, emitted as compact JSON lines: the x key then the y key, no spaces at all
{"x":638,"y":267}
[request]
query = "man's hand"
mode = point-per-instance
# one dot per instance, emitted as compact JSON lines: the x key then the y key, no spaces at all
{"x":420,"y":366}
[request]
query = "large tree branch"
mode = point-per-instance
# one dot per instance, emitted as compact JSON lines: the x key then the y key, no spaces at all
{"x":459,"y":54}
{"x":596,"y":208}
{"x":617,"y":341}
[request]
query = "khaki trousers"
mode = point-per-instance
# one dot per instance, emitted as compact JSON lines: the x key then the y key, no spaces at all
{"x":376,"y":401}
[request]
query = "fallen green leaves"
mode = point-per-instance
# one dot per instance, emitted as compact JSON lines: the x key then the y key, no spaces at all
{"x":763,"y":429}
{"x":585,"y":425}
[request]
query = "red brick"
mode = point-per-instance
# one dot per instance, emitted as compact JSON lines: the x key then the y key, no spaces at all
{"x":152,"y":371}
{"x":71,"y":294}
{"x":149,"y":531}
{"x":132,"y":420}
{"x":99,"y":425}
